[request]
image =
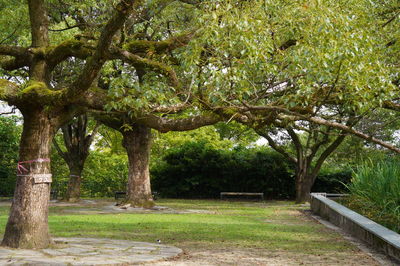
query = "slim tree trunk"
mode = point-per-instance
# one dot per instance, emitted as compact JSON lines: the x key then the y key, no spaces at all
{"x":27,"y":225}
{"x":73,"y":193}
{"x":137,"y":143}
{"x":77,"y":142}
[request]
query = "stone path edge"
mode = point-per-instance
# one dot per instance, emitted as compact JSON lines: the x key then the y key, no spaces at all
{"x":357,"y":225}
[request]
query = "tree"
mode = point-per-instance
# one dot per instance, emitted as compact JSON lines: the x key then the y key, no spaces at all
{"x":137,"y":142}
{"x":248,"y":60}
{"x":288,"y":63}
{"x":45,"y":106}
{"x":259,"y":77}
{"x":313,"y":144}
{"x":77,"y":143}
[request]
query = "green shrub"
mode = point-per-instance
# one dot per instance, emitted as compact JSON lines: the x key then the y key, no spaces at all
{"x":9,"y":146}
{"x":375,"y":191}
{"x":104,"y":174}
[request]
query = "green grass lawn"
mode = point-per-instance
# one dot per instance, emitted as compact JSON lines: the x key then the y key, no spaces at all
{"x":278,"y":226}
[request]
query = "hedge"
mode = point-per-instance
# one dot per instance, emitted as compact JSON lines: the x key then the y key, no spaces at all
{"x":197,"y":170}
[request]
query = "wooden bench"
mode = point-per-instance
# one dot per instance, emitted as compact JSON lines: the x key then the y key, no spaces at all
{"x":225,"y":194}
{"x":119,"y":195}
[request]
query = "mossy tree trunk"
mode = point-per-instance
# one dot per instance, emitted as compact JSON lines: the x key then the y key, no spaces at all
{"x":45,"y":109}
{"x":137,"y":143}
{"x":27,"y":225}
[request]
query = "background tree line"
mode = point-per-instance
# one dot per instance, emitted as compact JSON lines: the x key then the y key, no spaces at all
{"x":196,"y":164}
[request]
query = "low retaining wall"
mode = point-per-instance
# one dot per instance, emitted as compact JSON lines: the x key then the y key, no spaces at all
{"x":357,"y":225}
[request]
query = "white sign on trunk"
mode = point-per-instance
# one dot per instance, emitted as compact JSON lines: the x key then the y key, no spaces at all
{"x":42,"y":178}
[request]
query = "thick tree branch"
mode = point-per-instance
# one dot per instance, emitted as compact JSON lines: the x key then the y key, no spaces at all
{"x":275,"y":146}
{"x":296,"y":142}
{"x":164,"y":124}
{"x":15,"y":63}
{"x":94,"y":98}
{"x":59,"y":151}
{"x":67,"y":136}
{"x":158,"y":47}
{"x":391,"y":106}
{"x":317,"y":144}
{"x":13,"y":50}
{"x":345,"y":128}
{"x":172,"y":109}
{"x":331,"y":148}
{"x":140,"y":62}
{"x":75,"y":48}
{"x":109,"y":120}
{"x":8,"y":91}
{"x":95,"y":63}
{"x":90,"y":138}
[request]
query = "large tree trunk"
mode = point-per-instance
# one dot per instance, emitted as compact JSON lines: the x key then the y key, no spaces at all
{"x":304,"y":183}
{"x":137,"y":143}
{"x":303,"y":190}
{"x":27,"y":225}
{"x":73,"y":193}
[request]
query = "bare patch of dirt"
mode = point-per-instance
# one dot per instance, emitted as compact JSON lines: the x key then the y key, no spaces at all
{"x":194,"y":256}
{"x":250,"y":256}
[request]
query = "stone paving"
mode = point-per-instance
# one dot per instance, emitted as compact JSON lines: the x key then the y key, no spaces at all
{"x":89,"y":251}
{"x":104,"y":207}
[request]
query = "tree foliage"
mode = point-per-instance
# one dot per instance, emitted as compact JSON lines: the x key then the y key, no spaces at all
{"x":9,"y":137}
{"x":292,"y":54}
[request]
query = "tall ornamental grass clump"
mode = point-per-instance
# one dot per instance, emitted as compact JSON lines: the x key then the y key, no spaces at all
{"x":375,"y":192}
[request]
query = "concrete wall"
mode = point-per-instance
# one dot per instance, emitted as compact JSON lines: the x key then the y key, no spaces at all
{"x":357,"y":225}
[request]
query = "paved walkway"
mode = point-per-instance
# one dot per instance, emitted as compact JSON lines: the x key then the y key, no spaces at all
{"x":89,"y":251}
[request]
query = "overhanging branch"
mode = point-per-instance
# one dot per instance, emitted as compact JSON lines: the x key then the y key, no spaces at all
{"x":141,"y":62}
{"x":164,"y":124}
{"x":158,"y":47}
{"x":8,"y":91}
{"x":12,"y":50}
{"x":344,"y":128}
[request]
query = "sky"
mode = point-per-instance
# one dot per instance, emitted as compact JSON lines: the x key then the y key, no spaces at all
{"x":5,"y":108}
